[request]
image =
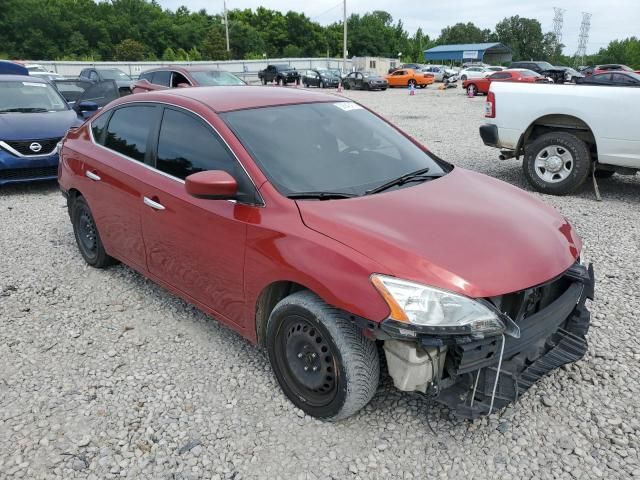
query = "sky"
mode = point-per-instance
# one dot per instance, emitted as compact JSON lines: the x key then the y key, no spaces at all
{"x":611,"y":19}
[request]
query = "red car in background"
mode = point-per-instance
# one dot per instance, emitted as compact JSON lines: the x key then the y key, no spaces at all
{"x":184,"y":76}
{"x":612,"y":67}
{"x":481,"y":85}
{"x":313,"y":227}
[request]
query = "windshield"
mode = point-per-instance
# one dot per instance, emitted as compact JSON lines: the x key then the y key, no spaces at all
{"x":529,"y":73}
{"x":544,"y":65}
{"x":215,"y":78}
{"x":28,"y":97}
{"x":114,"y":74}
{"x":327,"y":73}
{"x":369,"y":74}
{"x":326,"y":147}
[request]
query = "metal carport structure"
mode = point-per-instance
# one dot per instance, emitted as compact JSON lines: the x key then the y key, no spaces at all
{"x":491,"y":53}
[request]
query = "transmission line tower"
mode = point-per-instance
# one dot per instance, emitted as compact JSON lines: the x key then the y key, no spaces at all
{"x":558,"y":20}
{"x":584,"y":37}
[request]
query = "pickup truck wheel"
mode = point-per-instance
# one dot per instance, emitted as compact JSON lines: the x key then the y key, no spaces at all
{"x":264,"y":80}
{"x":321,"y":359}
{"x":556,"y":163}
{"x":87,"y":236}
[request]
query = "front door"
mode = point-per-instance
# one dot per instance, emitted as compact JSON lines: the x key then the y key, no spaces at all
{"x":196,"y":245}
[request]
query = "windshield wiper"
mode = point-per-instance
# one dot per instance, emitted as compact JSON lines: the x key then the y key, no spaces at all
{"x":407,"y":177}
{"x":24,"y":110}
{"x":320,"y":195}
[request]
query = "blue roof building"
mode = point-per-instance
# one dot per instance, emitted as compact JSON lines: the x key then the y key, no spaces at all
{"x":470,"y":52}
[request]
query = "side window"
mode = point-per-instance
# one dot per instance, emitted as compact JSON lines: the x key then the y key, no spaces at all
{"x":98,"y":127}
{"x":128,"y":130}
{"x":204,"y":151}
{"x":83,"y":73}
{"x":146,"y":76}
{"x":177,"y":79}
{"x":622,"y":79}
{"x":162,"y":77}
{"x":399,"y":72}
{"x":93,"y":75}
{"x":499,"y":75}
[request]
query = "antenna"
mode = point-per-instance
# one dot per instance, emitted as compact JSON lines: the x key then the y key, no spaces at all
{"x":584,"y":37}
{"x":558,"y":20}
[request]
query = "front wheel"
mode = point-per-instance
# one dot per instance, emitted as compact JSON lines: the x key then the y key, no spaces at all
{"x":412,"y":83}
{"x":557,"y":163}
{"x":472,"y":91}
{"x":320,"y":358}
{"x":463,"y":78}
{"x":321,"y":85}
{"x":347,"y":86}
{"x":87,"y":236}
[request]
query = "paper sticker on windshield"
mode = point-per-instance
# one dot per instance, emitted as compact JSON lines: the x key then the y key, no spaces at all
{"x":348,"y":106}
{"x":33,"y":84}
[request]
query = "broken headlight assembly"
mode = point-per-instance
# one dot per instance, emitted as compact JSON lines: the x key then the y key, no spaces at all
{"x":435,"y":311}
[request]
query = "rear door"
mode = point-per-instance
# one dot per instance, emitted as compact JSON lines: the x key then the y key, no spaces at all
{"x":113,"y":186}
{"x":196,"y":245}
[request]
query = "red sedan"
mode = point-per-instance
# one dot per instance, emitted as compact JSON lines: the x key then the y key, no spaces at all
{"x":179,"y":76}
{"x":481,"y":85}
{"x":613,"y":67}
{"x":315,"y":228}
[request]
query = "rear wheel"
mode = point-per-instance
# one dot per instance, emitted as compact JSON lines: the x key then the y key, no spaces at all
{"x":423,"y":86}
{"x":557,"y":163}
{"x":412,"y":82}
{"x":463,"y":78}
{"x":87,"y":236}
{"x":323,"y":363}
{"x":347,"y":86}
{"x":264,"y":80}
{"x":472,"y":90}
{"x":321,"y":85}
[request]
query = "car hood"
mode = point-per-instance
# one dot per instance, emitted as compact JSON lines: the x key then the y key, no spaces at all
{"x":464,"y":232}
{"x":33,"y":126}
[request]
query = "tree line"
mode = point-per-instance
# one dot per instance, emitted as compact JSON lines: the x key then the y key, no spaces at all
{"x":135,"y":30}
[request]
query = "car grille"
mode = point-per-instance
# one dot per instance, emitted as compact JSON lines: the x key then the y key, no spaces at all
{"x":23,"y":147}
{"x":27,"y":173}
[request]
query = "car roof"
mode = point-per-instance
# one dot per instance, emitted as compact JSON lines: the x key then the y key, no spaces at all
{"x":226,"y":99}
{"x":22,"y":78}
{"x":185,"y":68}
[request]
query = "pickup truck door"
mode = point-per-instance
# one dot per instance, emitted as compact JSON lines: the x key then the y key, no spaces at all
{"x":615,"y":123}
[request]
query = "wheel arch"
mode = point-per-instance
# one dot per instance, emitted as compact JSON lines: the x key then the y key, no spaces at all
{"x":558,"y":122}
{"x":268,"y":299}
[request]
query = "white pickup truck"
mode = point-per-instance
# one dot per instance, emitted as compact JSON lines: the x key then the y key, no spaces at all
{"x":564,"y":132}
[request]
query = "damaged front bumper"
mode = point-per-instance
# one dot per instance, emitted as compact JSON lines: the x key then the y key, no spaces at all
{"x":474,"y":377}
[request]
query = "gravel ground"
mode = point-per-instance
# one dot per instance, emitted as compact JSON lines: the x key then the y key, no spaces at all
{"x":106,"y":375}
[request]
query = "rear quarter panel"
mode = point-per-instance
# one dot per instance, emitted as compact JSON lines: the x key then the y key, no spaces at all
{"x":612,"y":113}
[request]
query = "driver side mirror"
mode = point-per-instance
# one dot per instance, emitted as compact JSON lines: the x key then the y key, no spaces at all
{"x":212,"y":185}
{"x":86,"y":108}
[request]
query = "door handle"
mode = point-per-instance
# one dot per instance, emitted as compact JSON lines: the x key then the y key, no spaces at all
{"x":93,"y":176}
{"x":150,"y":203}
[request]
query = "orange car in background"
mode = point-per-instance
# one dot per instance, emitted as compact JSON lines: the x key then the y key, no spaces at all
{"x":407,"y":76}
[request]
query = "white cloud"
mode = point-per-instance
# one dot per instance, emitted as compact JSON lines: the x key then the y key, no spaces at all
{"x":612,"y":19}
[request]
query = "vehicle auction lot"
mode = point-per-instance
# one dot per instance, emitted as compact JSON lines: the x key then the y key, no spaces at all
{"x":104,"y":374}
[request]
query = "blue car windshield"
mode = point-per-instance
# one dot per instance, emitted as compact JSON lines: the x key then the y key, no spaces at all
{"x":29,"y":97}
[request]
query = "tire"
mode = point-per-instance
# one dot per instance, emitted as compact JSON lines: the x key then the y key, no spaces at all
{"x":463,"y":78}
{"x":284,"y":82}
{"x":472,"y":90}
{"x":305,"y":84}
{"x":383,"y":89}
{"x":303,"y":333}
{"x":412,"y":82}
{"x":87,"y":236}
{"x":366,"y":86}
{"x":605,"y":173}
{"x":572,"y":161}
{"x":423,"y":86}
{"x":321,"y":84}
{"x":264,"y":80}
{"x":347,"y":86}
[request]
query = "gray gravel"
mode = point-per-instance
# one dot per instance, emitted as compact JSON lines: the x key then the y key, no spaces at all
{"x":105,"y":375}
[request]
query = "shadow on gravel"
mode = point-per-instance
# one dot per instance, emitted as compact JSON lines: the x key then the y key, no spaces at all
{"x":35,"y":188}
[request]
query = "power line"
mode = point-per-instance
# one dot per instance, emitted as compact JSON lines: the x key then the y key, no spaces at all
{"x":326,"y":11}
{"x":583,"y":38}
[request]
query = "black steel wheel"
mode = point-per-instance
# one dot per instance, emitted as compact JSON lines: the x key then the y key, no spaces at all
{"x":87,"y":236}
{"x":323,"y":363}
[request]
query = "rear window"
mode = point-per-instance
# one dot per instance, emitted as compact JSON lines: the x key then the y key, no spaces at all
{"x":128,"y":130}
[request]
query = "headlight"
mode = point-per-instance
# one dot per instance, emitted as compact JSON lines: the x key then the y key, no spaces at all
{"x":437,"y":311}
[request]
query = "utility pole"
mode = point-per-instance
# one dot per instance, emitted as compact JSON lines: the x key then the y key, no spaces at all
{"x":226,"y":25}
{"x":344,"y":37}
{"x":558,"y":21}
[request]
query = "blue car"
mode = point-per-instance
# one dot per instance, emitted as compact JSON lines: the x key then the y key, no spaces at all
{"x":33,"y":119}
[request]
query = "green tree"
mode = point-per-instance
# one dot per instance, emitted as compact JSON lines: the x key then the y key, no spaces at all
{"x":131,"y":50}
{"x":463,"y":33}
{"x":169,"y":54}
{"x":524,"y":36}
{"x":214,"y":45}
